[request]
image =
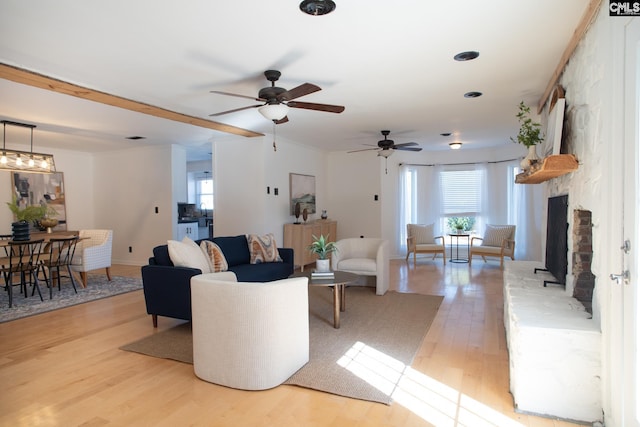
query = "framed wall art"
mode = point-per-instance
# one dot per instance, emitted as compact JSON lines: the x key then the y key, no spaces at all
{"x":302,"y":189}
{"x":554,"y":128}
{"x":38,"y":188}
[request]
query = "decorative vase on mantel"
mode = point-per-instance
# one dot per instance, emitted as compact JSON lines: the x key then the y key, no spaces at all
{"x":20,"y":231}
{"x":530,"y":159}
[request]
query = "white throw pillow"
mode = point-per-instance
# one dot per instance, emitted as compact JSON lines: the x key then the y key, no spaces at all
{"x":495,"y":234}
{"x":422,"y":233}
{"x":188,"y":254}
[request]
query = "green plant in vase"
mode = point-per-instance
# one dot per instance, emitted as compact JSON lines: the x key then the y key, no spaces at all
{"x":529,"y":135}
{"x":322,"y":247}
{"x":26,"y":215}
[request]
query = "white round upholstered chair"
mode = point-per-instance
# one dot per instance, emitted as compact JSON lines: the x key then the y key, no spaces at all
{"x":249,"y":336}
{"x":364,"y":256}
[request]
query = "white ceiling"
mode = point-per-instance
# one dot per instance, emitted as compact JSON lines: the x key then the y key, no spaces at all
{"x":389,"y":63}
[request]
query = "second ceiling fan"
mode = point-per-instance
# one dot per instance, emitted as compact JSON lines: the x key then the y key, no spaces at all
{"x":276,"y":101}
{"x":385,"y":146}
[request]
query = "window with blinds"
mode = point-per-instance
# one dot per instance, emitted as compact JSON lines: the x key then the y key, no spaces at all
{"x":461,"y":192}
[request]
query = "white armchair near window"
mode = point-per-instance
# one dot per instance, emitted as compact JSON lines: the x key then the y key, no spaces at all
{"x":93,"y":252}
{"x":364,"y":256}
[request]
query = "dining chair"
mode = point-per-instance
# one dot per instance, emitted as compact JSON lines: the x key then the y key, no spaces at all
{"x":58,"y":255}
{"x":93,"y":253}
{"x":23,"y":264}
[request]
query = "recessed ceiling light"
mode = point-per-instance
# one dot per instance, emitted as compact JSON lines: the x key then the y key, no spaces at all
{"x":317,"y":7}
{"x":135,"y":137}
{"x":467,"y":56}
{"x":472,"y":94}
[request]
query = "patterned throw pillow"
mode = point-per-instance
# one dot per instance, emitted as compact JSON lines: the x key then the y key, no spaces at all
{"x":495,"y":234}
{"x":187,"y":253}
{"x":422,"y":233}
{"x":263,"y":248}
{"x":214,"y":254}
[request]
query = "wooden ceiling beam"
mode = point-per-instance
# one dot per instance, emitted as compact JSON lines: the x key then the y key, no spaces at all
{"x":31,"y":78}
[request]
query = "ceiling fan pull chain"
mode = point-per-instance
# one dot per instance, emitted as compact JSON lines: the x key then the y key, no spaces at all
{"x":274,"y":136}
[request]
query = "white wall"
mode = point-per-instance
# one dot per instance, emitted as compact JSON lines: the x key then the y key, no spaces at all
{"x":245,"y":167}
{"x":129,"y":185}
{"x":354,"y":180}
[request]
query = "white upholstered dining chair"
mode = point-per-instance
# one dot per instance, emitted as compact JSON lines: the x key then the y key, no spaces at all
{"x":93,"y":252}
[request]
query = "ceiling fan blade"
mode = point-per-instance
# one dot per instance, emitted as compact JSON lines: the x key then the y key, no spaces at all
{"x":285,"y":119}
{"x":298,"y":91}
{"x":318,"y":107}
{"x":234,"y":110}
{"x":407,"y":148}
{"x":406,"y":144}
{"x":364,"y":149}
{"x":236,"y":95}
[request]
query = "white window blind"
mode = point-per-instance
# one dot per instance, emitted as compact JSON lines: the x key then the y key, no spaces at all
{"x":461,"y":192}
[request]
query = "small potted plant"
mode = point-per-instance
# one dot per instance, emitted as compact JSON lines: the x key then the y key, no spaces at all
{"x":322,"y":248}
{"x":529,"y":135}
{"x":24,"y":216}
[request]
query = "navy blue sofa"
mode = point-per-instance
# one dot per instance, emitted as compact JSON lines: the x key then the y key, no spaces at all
{"x":167,"y":288}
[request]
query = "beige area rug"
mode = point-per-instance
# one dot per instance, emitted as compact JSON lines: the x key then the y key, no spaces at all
{"x":378,"y":336}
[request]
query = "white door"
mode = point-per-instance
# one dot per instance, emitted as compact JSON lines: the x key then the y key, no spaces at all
{"x":630,"y":253}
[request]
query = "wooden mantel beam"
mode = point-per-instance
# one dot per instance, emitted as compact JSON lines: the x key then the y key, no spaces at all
{"x":578,"y":34}
{"x":31,"y":78}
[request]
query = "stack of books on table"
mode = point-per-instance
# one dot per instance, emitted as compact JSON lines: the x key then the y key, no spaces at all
{"x":322,"y":274}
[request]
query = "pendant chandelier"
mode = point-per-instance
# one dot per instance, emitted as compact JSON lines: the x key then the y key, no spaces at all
{"x":27,"y":161}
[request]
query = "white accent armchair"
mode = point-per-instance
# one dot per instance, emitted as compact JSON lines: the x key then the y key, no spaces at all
{"x":249,"y":336}
{"x":93,"y":252}
{"x":364,"y":256}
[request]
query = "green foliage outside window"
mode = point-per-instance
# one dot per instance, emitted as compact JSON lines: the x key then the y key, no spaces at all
{"x":464,"y":223}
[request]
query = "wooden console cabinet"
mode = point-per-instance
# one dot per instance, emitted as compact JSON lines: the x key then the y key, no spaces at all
{"x":300,"y":236}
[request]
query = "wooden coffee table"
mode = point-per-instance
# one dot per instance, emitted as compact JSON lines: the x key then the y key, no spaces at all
{"x":339,"y":280}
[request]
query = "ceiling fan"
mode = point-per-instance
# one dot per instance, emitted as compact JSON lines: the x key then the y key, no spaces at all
{"x":385,"y":146}
{"x":276,"y":101}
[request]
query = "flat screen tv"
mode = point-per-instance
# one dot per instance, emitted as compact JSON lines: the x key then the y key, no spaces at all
{"x":557,"y":229}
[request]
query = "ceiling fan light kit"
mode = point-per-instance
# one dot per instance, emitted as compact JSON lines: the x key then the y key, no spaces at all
{"x":455,"y":145}
{"x":385,"y":153}
{"x":274,"y":111}
{"x":317,"y":7}
{"x":26,"y":161}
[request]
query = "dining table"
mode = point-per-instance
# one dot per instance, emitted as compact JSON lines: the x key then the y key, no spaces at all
{"x":44,"y":253}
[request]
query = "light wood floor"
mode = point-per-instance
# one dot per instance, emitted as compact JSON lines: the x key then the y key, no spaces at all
{"x":65,"y":369}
